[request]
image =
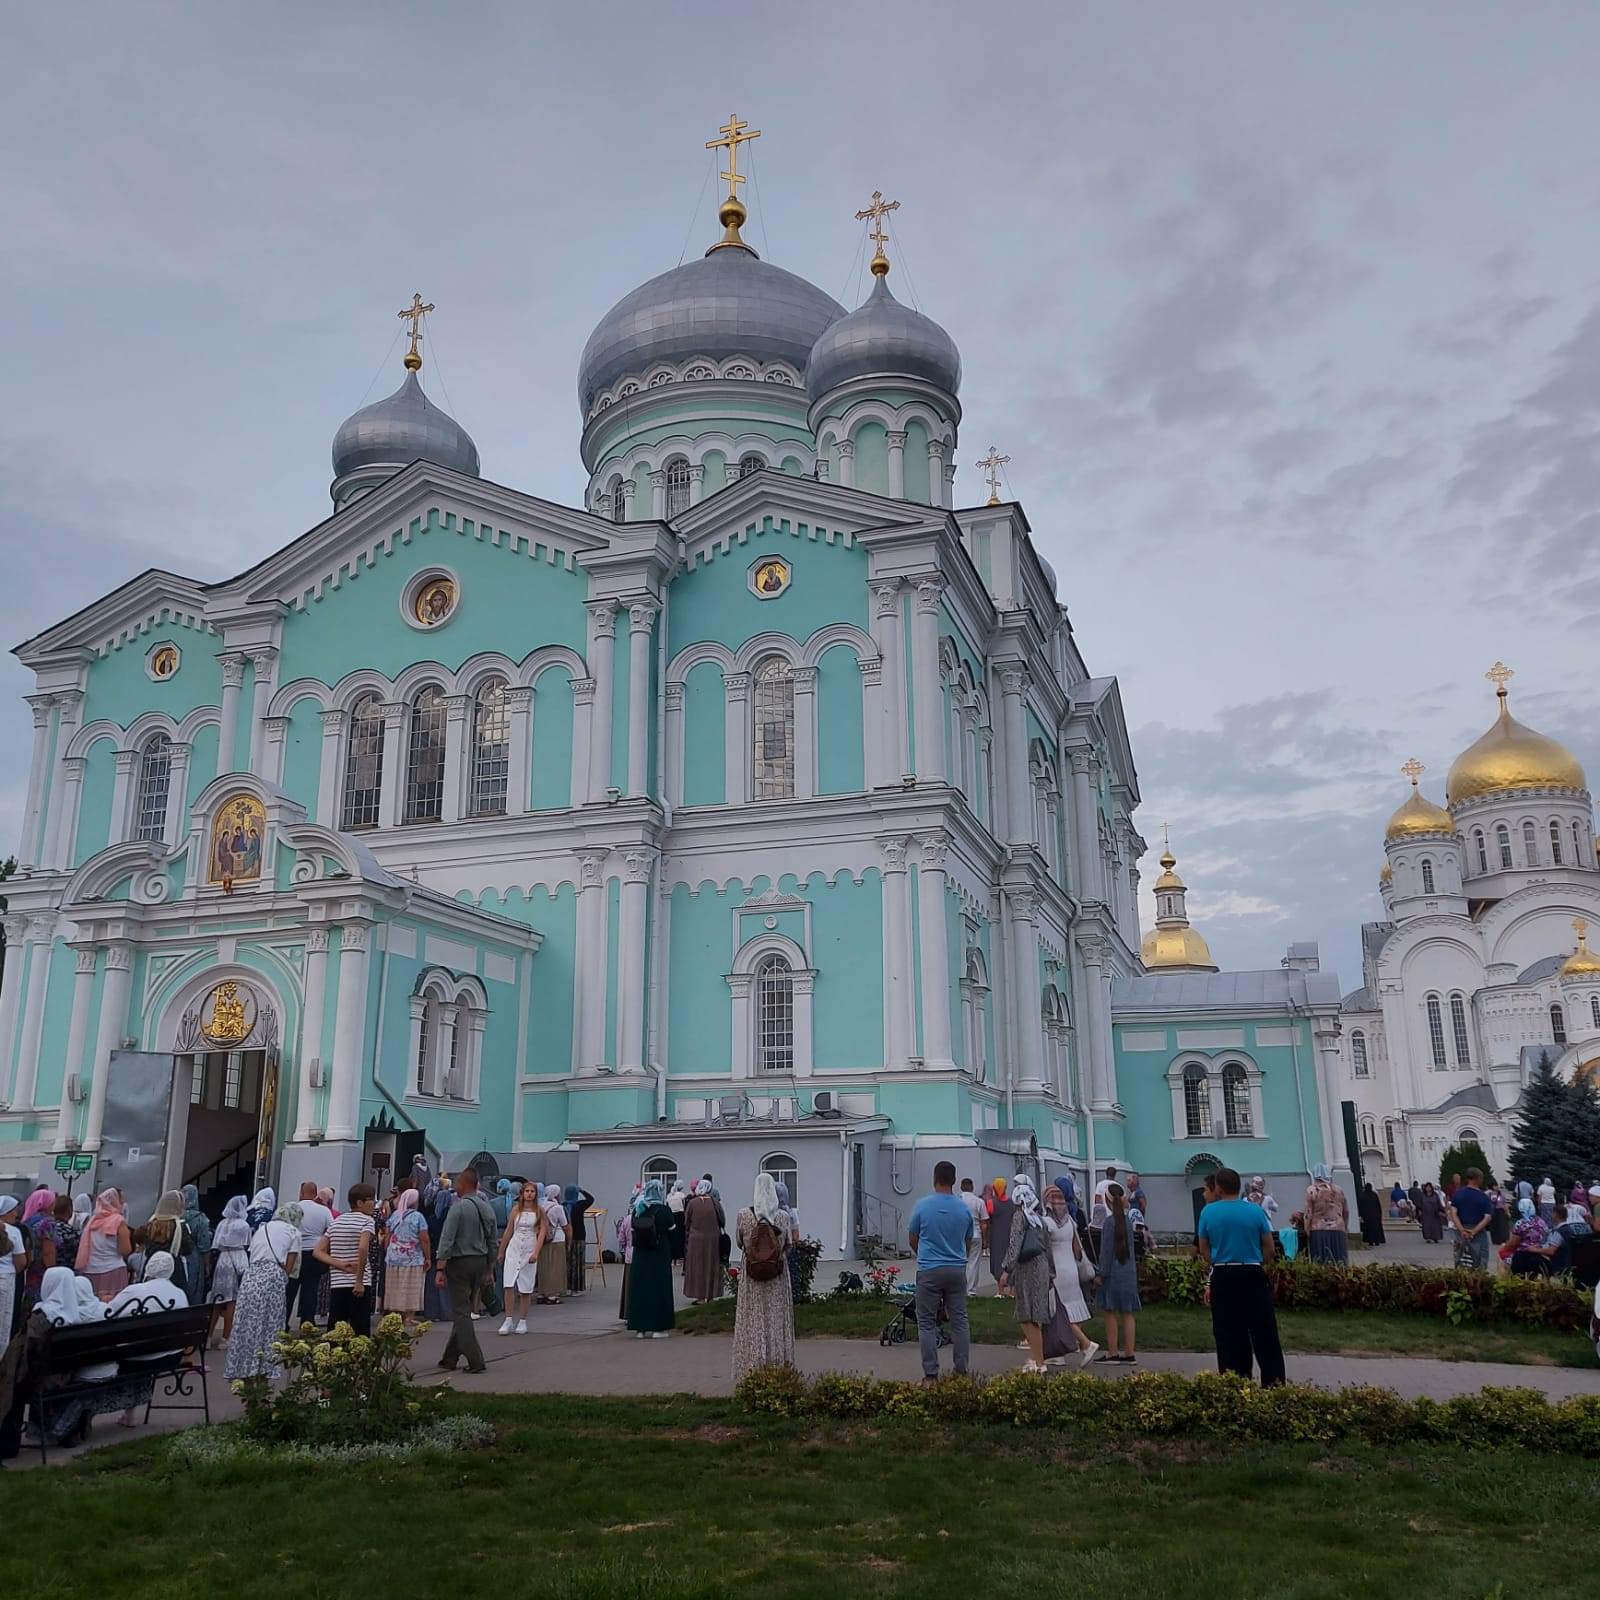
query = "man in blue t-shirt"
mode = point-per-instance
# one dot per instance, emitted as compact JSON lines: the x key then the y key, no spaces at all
{"x":1470,"y":1213}
{"x":941,"y":1225}
{"x":1235,"y":1238}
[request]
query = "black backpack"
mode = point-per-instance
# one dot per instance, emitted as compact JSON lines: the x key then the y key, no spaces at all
{"x":645,"y":1231}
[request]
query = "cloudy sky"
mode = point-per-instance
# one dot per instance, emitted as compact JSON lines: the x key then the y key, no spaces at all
{"x":1286,"y":315}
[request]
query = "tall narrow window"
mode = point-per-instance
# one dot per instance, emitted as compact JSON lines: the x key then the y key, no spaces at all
{"x":1530,"y":844}
{"x":1369,"y":1133}
{"x":1458,"y":1027}
{"x":1427,"y":876}
{"x":1358,"y":1054}
{"x":1483,"y":851}
{"x":425,"y":757}
{"x":750,"y":465}
{"x":1577,"y":844}
{"x":1594,"y":1009}
{"x":155,"y":779}
{"x":491,"y":750}
{"x":783,"y":1168}
{"x":1558,"y":1024}
{"x":677,"y":486}
{"x":1388,"y":1143}
{"x":1555,"y":844}
{"x":1236,"y":1101}
{"x":774,"y":730}
{"x":617,"y":502}
{"x":1436,"y":1031}
{"x":363,"y":764}
{"x":774,"y":1015}
{"x":1502,"y":838}
{"x":1196,"y":1102}
{"x":430,"y":1019}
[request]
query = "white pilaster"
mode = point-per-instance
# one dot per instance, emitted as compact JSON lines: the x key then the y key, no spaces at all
{"x":519,"y":748}
{"x":673,"y":733}
{"x":64,"y":806}
{"x":583,"y":737}
{"x":1097,"y":993}
{"x":179,"y":757}
{"x":658,"y":495}
{"x":805,"y":732}
{"x":589,"y":964}
{"x":875,"y":763}
{"x":349,"y":1031}
{"x":392,"y":798}
{"x":77,"y":1038}
{"x":1014,"y":749}
{"x":736,"y":737}
{"x":927,"y":681}
{"x":602,"y":651}
{"x":228,"y":733}
{"x":935,"y":950}
{"x":328,"y":773}
{"x":886,"y":633}
{"x":125,"y":763}
{"x":109,"y":1035}
{"x":897,"y":465}
{"x":1085,"y":827}
{"x":446,"y":1081}
{"x":31,"y":846}
{"x":897,"y":982}
{"x":11,"y":997}
{"x":697,"y":485}
{"x":641,"y":621}
{"x":630,"y":961}
{"x":311,"y":1019}
{"x":847,"y":463}
{"x":264,"y":658}
{"x":274,"y":738}
{"x":457,"y":756}
{"x":1330,"y":1083}
{"x":1022,"y":908}
{"x":629,"y":489}
{"x":938,"y":480}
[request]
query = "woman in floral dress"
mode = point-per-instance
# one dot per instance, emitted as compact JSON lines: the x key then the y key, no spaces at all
{"x":406,"y":1258}
{"x":763,"y":1322}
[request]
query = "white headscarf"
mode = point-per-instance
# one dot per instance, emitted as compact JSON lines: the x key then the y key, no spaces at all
{"x":91,"y":1308}
{"x":160,"y":1265}
{"x":82,"y":1205}
{"x":58,"y":1296}
{"x":233,"y":1232}
{"x":765,"y":1205}
{"x":1022,"y":1193}
{"x":703,"y":1187}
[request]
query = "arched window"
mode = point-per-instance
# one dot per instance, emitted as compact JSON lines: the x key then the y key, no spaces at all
{"x":1369,"y":1133}
{"x":1458,"y":1028}
{"x":1483,"y":851}
{"x":1436,"y":1031}
{"x":774,"y":730}
{"x":1530,"y":844}
{"x":1555,"y":844}
{"x":1388,"y":1143}
{"x":1196,"y":1101}
{"x":1502,"y":838}
{"x":363,"y":764}
{"x":1236,"y":1101}
{"x":975,"y":1014}
{"x":617,"y":501}
{"x":425,"y":757}
{"x":155,"y":779}
{"x":1577,"y":844}
{"x":1467,"y":1136}
{"x":491,"y":750}
{"x":427,"y":1042}
{"x":774,"y":1015}
{"x":1427,"y":876}
{"x":1558,"y":1024}
{"x":749,"y":465}
{"x":661,"y":1167}
{"x":677,"y":486}
{"x":1594,"y":1009}
{"x":1358,"y":1054}
{"x":782,"y":1168}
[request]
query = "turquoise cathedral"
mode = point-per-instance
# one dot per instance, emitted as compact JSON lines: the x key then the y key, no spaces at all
{"x":759,"y":813}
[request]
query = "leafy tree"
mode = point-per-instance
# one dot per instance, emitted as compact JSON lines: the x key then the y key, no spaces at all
{"x":1461,"y":1158}
{"x":1557,"y":1132}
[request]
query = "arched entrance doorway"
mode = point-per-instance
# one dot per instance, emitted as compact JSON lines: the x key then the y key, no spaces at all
{"x":1195,"y":1171}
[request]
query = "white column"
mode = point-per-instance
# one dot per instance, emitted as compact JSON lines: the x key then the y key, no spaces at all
{"x":274,"y":734}
{"x":697,"y":484}
{"x":228,"y":733}
{"x":10,"y":997}
{"x":658,"y":495}
{"x":1021,"y":906}
{"x":641,"y":620}
{"x":109,"y":1035}
{"x":736,"y":739}
{"x":589,"y":964}
{"x":1086,"y":827}
{"x":457,"y":755}
{"x":897,"y":466}
{"x":77,"y":1038}
{"x":328,"y":773}
{"x":43,"y":708}
{"x":938,"y":484}
{"x":40,"y":942}
{"x":1097,"y":1036}
{"x":1330,"y":1080}
{"x":392,"y":799}
{"x":629,"y":489}
{"x":445,"y":1081}
{"x":265,"y":660}
{"x":897,"y":983}
{"x":673,"y":733}
{"x":583,"y":737}
{"x":927,"y":680}
{"x":804,"y":984}
{"x":847,"y":463}
{"x":311,"y":1018}
{"x":125,"y":763}
{"x":935,"y":948}
{"x":886,"y":633}
{"x":805,"y":732}
{"x":1014,"y":750}
{"x":178,"y":794}
{"x":64,"y":806}
{"x":349,"y":1031}
{"x":1052,"y":833}
{"x":519,"y":747}
{"x":630,"y":961}
{"x":602,"y":649}
{"x":875,"y":763}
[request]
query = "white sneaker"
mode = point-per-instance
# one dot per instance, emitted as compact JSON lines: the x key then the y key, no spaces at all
{"x":522,"y":1326}
{"x":477,"y":1316}
{"x":505,"y":1327}
{"x":658,"y":1335}
{"x":1089,"y":1354}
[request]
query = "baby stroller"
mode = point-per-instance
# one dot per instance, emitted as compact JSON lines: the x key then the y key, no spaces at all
{"x":904,"y":1323}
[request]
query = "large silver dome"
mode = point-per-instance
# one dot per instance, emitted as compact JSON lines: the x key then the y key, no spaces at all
{"x":729,"y":302}
{"x":883,"y":338}
{"x":404,"y":428}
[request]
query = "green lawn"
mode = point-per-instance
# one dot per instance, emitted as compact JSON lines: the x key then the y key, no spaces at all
{"x":688,"y":1498}
{"x":1188,"y":1327}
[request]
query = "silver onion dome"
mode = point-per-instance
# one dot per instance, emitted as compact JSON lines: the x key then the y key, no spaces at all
{"x":883,"y":338}
{"x":403,"y":428}
{"x":728,"y":303}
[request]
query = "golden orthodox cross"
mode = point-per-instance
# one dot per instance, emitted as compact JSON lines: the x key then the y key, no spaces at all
{"x":877,"y":211}
{"x":1413,"y":769}
{"x":733,"y":135}
{"x":991,"y":464}
{"x":415,"y":312}
{"x":1580,"y":926}
{"x":1500,"y":675}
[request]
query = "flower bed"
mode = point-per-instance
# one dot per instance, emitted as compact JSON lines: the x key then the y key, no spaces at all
{"x":1215,"y":1406}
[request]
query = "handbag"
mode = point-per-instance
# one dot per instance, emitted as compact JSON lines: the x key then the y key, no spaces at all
{"x":1032,"y":1246}
{"x":489,"y":1296}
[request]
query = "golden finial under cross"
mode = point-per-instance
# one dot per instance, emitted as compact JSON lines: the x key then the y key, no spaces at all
{"x":732,"y":212}
{"x":991,"y":465}
{"x":1500,"y":675}
{"x":1413,"y":769}
{"x":877,"y":211}
{"x":415,"y":312}
{"x":1580,"y":926}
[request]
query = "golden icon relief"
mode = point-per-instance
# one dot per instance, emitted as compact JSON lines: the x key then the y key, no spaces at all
{"x":228,"y":1014}
{"x":769,"y":577}
{"x":237,"y":836}
{"x":164,"y":661}
{"x":435,"y":602}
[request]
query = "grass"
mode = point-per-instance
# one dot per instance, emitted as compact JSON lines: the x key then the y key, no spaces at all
{"x":581,"y":1499}
{"x":1188,"y":1327}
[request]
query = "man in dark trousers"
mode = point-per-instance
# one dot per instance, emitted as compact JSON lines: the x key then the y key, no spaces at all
{"x":1235,"y":1240}
{"x":467,"y":1244}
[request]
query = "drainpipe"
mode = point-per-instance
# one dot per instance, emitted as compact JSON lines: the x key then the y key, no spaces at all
{"x":844,"y":1193}
{"x":1299,"y":1092}
{"x":653,"y":1054}
{"x":1013,"y":1043}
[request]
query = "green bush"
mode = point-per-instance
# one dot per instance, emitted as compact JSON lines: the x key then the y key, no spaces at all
{"x":1209,"y":1406}
{"x":805,"y":1254}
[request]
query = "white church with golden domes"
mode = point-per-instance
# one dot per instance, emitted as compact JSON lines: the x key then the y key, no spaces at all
{"x":1482,"y":962}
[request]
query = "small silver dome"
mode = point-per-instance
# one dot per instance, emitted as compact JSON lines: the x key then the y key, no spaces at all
{"x":728,"y":303}
{"x":883,"y":338}
{"x":404,"y":428}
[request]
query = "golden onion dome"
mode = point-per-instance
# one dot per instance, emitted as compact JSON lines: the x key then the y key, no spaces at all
{"x":1176,"y":947}
{"x":1386,"y":873}
{"x":1169,"y":879}
{"x":1583,"y":962}
{"x":1418,"y":815}
{"x":1511,"y":756}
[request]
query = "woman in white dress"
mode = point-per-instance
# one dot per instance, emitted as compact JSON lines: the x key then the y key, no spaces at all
{"x":519,"y":1256}
{"x":1066,"y":1250}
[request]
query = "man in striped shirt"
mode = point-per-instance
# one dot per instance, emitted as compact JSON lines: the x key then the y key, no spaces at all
{"x":348,"y":1250}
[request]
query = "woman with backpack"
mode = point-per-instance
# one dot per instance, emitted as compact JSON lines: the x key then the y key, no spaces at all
{"x":1026,"y":1268}
{"x":650,"y":1272}
{"x":763,"y":1321}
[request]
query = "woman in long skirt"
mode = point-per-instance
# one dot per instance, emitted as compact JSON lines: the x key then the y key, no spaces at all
{"x":702,"y":1259}
{"x":552,"y":1278}
{"x":262,"y":1308}
{"x":625,"y":1247}
{"x":763,"y":1321}
{"x":1430,"y":1215}
{"x":231,"y":1242}
{"x":406,"y":1258}
{"x":677,"y":1199}
{"x":1028,"y":1280}
{"x":1067,"y":1254}
{"x":650,"y":1273}
{"x":1001,"y":1215}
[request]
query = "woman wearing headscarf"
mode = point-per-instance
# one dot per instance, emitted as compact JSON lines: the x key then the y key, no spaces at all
{"x":1430,"y":1214}
{"x":702,"y":1255}
{"x":576,"y":1202}
{"x":650,"y":1274}
{"x":1532,"y":1244}
{"x":13,"y":1262}
{"x":763,"y":1322}
{"x":65,"y":1300}
{"x":1371,"y":1209}
{"x":1119,"y":1278}
{"x":44,"y":1238}
{"x":502,"y":1203}
{"x":793,"y":1216}
{"x":1547,"y":1200}
{"x":551,"y":1281}
{"x":196,"y":1245}
{"x":157,"y":1290}
{"x":274,"y":1258}
{"x":261,"y":1208}
{"x":677,"y":1203}
{"x":624,"y":1227}
{"x":105,"y":1245}
{"x":231,"y":1242}
{"x":72,"y":1229}
{"x":165,"y":1230}
{"x":1025,"y":1267}
{"x":1327,"y":1215}
{"x":1000,"y":1221}
{"x":1071,"y":1264}
{"x":406,"y":1258}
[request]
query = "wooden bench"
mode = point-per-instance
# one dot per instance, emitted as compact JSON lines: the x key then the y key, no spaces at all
{"x":171,"y":1345}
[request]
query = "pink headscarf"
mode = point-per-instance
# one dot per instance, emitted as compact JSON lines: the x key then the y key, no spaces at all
{"x":406,"y":1201}
{"x":42,"y":1199}
{"x":109,"y":1215}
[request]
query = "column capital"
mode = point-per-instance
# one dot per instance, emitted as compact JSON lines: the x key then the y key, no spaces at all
{"x":697,"y":474}
{"x":936,"y":449}
{"x":355,"y":937}
{"x":583,"y":691}
{"x":1093,"y":948}
{"x":636,"y":866}
{"x":1014,"y":678}
{"x":317,"y":940}
{"x":674,"y":696}
{"x":896,"y":438}
{"x":262,"y":656}
{"x":124,"y":761}
{"x":41,"y":927}
{"x":804,"y":679}
{"x":393,"y":711}
{"x":70,"y":702}
{"x":456,"y":707}
{"x":74,"y":767}
{"x":1083,"y":762}
{"x":232,"y":669}
{"x":871,"y":668}
{"x":737,"y":684}
{"x":935,"y":847}
{"x":16,"y":928}
{"x":847,"y":449}
{"x":516,"y":700}
{"x":930,"y":589}
{"x":84,"y":960}
{"x":41,"y":705}
{"x":603,"y":618}
{"x":1024,"y":905}
{"x":885,"y":595}
{"x":894,"y":854}
{"x":332,"y":719}
{"x":275,"y":727}
{"x":642,"y":615}
{"x":591,"y":866}
{"x":119,"y":958}
{"x":658,"y":479}
{"x":629,"y":489}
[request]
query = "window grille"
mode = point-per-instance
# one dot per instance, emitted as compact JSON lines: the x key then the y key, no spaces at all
{"x":1196,"y":1102}
{"x":155,"y":779}
{"x":1358,"y":1053}
{"x":678,"y":492}
{"x":363,"y":765}
{"x":1236,"y":1100}
{"x":425,"y":757}
{"x":1436,"y":1031}
{"x":1458,"y":1026}
{"x":774,"y":730}
{"x":491,"y":751}
{"x":774,"y":1015}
